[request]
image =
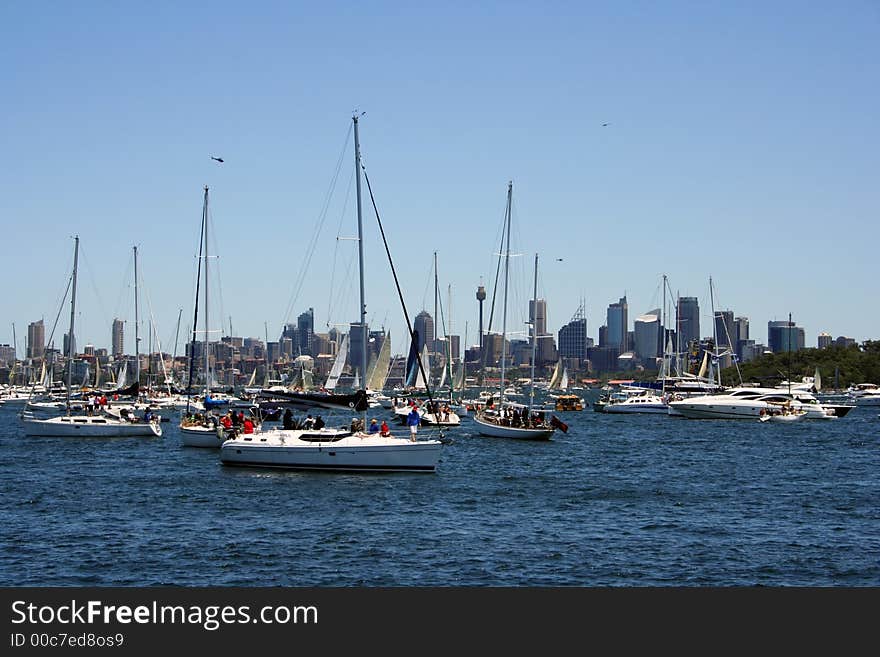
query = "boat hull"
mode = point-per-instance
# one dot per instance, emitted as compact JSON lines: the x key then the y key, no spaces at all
{"x":350,"y":454}
{"x":200,"y":437}
{"x":89,"y":427}
{"x":517,"y":433}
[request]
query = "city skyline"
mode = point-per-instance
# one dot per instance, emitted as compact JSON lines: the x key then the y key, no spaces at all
{"x":752,"y":164}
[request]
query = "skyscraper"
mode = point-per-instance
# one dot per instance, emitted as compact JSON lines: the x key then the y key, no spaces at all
{"x":36,"y":344}
{"x":117,"y":341}
{"x":573,"y":336}
{"x":724,"y":332}
{"x":424,"y":324}
{"x":689,"y":320}
{"x":647,"y":335}
{"x":824,"y":340}
{"x":538,"y":315}
{"x":618,"y":324}
{"x":305,"y":329}
{"x":356,"y":348}
{"x":783,"y":336}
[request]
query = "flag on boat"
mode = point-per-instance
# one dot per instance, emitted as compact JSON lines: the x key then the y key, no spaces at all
{"x":558,"y":424}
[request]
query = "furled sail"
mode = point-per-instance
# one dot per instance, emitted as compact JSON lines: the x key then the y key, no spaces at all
{"x":338,"y":364}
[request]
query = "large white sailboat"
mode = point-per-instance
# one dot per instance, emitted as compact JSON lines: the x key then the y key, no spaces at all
{"x":198,"y":430}
{"x":507,"y":420}
{"x":335,"y":449}
{"x":83,"y":425}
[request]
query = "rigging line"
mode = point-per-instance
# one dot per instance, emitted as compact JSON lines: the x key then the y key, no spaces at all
{"x":84,"y":262}
{"x":123,"y":289}
{"x":192,"y":344}
{"x":219,"y":287}
{"x":322,"y":217}
{"x":342,"y":215}
{"x":492,"y":305}
{"x":400,"y":295}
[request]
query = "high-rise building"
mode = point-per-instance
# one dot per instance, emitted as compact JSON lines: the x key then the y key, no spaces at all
{"x":424,"y":324}
{"x":725,"y":335}
{"x":741,"y":335}
{"x":356,"y":348}
{"x":783,"y":336}
{"x":117,"y":339}
{"x":7,"y":355}
{"x":69,"y":344}
{"x":573,"y":336}
{"x":538,"y":315}
{"x":689,"y":320}
{"x":618,"y":324}
{"x":647,"y":335}
{"x":305,"y":328}
{"x":825,"y":340}
{"x":36,"y":344}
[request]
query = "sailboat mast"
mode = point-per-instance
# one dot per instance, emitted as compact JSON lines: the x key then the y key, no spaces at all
{"x":207,"y":359}
{"x":357,"y":170}
{"x":137,"y":340}
{"x":789,"y":352}
{"x":714,"y":326}
{"x":506,"y":274}
{"x":72,"y":316}
{"x":534,"y":339}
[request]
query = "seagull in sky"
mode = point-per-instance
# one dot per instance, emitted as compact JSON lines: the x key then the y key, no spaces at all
{"x":219,"y":159}
{"x":604,"y":125}
{"x":558,"y":259}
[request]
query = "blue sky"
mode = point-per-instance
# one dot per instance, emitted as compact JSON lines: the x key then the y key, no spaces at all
{"x":743,"y":145}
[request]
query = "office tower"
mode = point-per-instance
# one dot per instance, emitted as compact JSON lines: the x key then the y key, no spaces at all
{"x":117,"y":339}
{"x":824,"y":340}
{"x":573,"y":336}
{"x":783,"y":336}
{"x":424,"y":324}
{"x":305,"y":329}
{"x":689,"y":320}
{"x":724,"y":332}
{"x":647,"y":335}
{"x":618,"y":324}
{"x":36,"y":344}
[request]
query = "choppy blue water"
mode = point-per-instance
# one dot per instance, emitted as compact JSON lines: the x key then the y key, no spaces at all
{"x":618,"y":501}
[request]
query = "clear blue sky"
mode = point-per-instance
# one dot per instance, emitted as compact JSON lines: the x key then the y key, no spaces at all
{"x":743,"y":145}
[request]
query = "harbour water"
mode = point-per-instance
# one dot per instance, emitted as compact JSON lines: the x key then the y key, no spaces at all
{"x":618,"y":501}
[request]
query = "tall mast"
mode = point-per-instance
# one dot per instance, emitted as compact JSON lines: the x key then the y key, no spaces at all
{"x":137,"y":340}
{"x":357,"y":170}
{"x":534,"y":339}
{"x":790,"y":331}
{"x":72,"y":316}
{"x":14,"y":345}
{"x":714,"y":324}
{"x":176,"y":337}
{"x":506,"y":273}
{"x":666,"y":363}
{"x":207,"y":359}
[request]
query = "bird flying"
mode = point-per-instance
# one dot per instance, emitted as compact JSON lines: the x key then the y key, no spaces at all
{"x":605,"y":125}
{"x":219,"y":159}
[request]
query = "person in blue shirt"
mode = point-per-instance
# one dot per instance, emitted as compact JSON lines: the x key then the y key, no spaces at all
{"x":413,"y":420}
{"x":374,"y":426}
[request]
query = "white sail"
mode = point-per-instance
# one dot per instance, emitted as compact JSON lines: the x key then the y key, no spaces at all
{"x":85,"y":381}
{"x":426,"y":364}
{"x":123,"y":375}
{"x":356,"y":384}
{"x":704,"y":366}
{"x":253,"y":378}
{"x":817,"y":380}
{"x":563,"y":383}
{"x":97,"y":376}
{"x":557,"y":375}
{"x":458,"y":379}
{"x":379,"y":374}
{"x":442,"y":378}
{"x":338,"y":364}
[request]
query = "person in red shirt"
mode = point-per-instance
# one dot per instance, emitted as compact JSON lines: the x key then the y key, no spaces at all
{"x":248,"y":425}
{"x":384,"y":430}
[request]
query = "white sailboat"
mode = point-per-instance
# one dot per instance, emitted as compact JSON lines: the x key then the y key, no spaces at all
{"x":83,"y":425}
{"x":508,"y":420}
{"x":335,"y":449}
{"x":201,"y":430}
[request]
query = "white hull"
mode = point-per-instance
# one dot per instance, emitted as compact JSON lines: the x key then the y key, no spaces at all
{"x":637,"y":408}
{"x":85,"y":426}
{"x":357,"y":452}
{"x":200,"y":437}
{"x":498,"y":431}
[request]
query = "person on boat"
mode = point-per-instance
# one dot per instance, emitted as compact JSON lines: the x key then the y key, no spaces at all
{"x":310,"y":422}
{"x":413,"y":420}
{"x":319,"y":423}
{"x":384,"y":430}
{"x":374,"y":426}
{"x":248,"y":425}
{"x":226,"y":421}
{"x":287,"y":421}
{"x":148,"y":414}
